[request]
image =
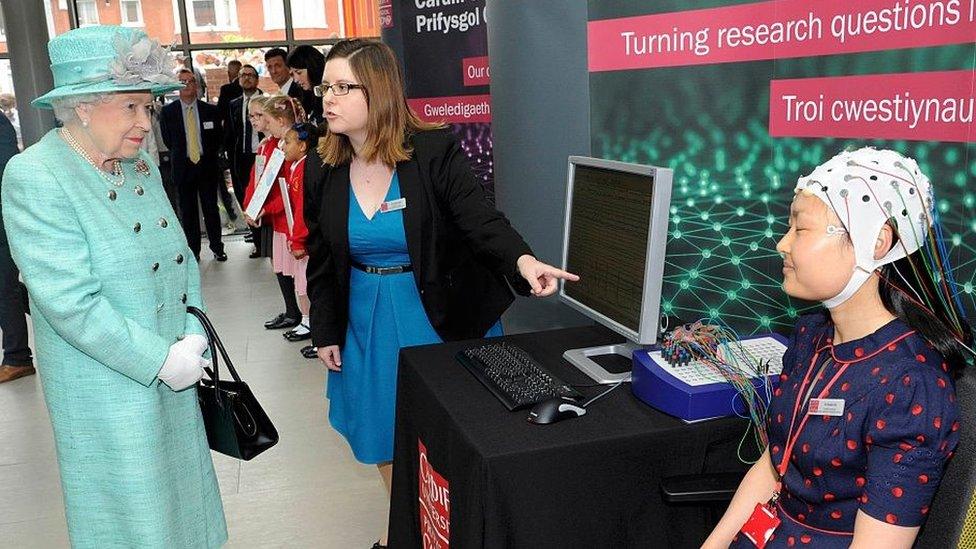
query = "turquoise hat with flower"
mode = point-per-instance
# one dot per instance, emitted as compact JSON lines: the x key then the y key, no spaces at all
{"x":107,"y":59}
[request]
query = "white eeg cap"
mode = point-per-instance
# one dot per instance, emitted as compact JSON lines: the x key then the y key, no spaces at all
{"x":867,"y":188}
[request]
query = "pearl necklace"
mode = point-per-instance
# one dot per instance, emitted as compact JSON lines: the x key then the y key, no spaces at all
{"x":116,"y":165}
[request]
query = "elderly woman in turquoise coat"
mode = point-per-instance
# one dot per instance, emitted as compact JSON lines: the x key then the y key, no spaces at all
{"x":109,"y":275}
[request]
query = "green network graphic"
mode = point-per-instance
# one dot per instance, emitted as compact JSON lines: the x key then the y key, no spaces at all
{"x":733,"y":183}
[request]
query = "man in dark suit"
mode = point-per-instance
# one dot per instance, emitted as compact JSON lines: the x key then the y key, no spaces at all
{"x":240,"y":141}
{"x":17,"y":360}
{"x":275,"y":60}
{"x":192,"y":132}
{"x":228,"y":92}
{"x":231,"y":90}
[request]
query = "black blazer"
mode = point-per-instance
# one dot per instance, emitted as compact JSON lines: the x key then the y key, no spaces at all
{"x":8,"y":148}
{"x":462,"y":249}
{"x":174,"y":135}
{"x":233,"y":130}
{"x":228,"y":92}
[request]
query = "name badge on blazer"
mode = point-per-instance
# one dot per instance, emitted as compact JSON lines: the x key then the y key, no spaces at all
{"x":826,"y":407}
{"x":208,"y":125}
{"x":393,"y":205}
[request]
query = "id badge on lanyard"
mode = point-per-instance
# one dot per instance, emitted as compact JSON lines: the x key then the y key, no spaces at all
{"x":762,"y":523}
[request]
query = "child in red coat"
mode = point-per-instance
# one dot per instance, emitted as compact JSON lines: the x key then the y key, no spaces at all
{"x":278,"y":114}
{"x":300,"y":139}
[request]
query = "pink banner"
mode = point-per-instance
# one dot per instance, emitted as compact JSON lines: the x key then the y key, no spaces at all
{"x":776,"y":30}
{"x":460,"y":109}
{"x":386,"y":14}
{"x":476,"y":71}
{"x":920,"y":106}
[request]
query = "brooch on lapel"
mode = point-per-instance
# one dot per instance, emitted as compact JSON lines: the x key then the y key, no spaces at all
{"x":142,"y":168}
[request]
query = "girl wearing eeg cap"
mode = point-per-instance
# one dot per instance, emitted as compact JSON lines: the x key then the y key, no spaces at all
{"x":864,"y":418}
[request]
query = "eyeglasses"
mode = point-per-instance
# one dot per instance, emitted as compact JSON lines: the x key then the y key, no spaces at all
{"x":339,"y":88}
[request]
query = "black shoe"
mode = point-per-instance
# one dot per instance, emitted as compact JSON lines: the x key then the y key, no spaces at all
{"x":378,"y":546}
{"x":221,"y":256}
{"x":255,"y":254}
{"x":295,"y":335}
{"x":310,"y":351}
{"x":274,"y":321}
{"x":282,"y":321}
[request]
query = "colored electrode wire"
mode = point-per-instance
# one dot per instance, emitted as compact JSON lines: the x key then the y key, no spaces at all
{"x":717,"y":348}
{"x":935,"y":263}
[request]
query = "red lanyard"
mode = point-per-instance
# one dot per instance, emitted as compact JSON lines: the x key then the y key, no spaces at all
{"x":792,"y":436}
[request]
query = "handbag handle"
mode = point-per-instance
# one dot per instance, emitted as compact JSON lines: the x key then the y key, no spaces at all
{"x":215,"y":346}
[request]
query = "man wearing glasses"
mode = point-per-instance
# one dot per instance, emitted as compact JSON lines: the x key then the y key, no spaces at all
{"x":192,"y":132}
{"x":240,"y":141}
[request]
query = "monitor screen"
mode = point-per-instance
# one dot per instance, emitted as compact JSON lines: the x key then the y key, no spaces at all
{"x":607,"y":241}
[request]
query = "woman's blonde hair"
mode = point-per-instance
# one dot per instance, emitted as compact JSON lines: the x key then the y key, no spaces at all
{"x":284,"y":109}
{"x":389,"y":122}
{"x":260,"y":101}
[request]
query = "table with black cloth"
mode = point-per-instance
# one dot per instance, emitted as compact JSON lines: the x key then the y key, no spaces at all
{"x":586,"y":482}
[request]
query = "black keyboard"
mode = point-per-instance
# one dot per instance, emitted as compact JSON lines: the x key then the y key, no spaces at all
{"x":513,"y":376}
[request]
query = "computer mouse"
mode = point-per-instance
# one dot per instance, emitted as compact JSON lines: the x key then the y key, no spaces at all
{"x":553,"y":410}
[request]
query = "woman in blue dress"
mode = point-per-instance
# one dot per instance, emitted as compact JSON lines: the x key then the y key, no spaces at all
{"x":864,"y":418}
{"x":405,"y":248}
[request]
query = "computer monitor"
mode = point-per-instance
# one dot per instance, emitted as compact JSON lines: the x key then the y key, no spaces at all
{"x":614,"y":238}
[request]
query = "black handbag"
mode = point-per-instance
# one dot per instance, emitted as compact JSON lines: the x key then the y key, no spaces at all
{"x":236,"y":424}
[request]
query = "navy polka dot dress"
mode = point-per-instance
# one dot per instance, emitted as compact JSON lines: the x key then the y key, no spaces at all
{"x":884,"y":455}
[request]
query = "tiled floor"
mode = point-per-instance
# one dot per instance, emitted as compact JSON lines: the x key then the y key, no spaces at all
{"x":308,"y":491}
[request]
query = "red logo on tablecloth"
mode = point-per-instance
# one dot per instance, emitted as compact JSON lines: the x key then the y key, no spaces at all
{"x":435,"y":504}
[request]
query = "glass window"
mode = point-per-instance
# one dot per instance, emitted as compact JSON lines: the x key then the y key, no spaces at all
{"x":315,"y":19}
{"x":211,"y":15}
{"x":212,"y":65}
{"x":87,"y":12}
{"x":56,"y":13}
{"x":274,"y":14}
{"x":204,"y":14}
{"x":223,"y":21}
{"x":8,"y":102}
{"x":158,"y":18}
{"x":6,"y":81}
{"x":305,"y":14}
{"x":131,"y":12}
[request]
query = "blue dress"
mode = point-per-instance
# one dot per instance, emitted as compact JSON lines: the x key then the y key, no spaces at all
{"x":884,"y":456}
{"x":385,"y":314}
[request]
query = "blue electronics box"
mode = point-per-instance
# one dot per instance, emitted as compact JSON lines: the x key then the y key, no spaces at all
{"x":693,"y":393}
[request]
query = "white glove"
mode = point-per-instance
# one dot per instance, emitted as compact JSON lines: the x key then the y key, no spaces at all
{"x":184,"y":364}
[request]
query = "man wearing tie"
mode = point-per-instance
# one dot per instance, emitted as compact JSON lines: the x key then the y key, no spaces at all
{"x":192,"y":132}
{"x":240,"y":141}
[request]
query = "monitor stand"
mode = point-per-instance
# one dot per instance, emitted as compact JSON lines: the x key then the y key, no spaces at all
{"x":581,"y":359}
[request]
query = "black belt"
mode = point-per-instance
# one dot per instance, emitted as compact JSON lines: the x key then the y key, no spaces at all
{"x":382,"y":270}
